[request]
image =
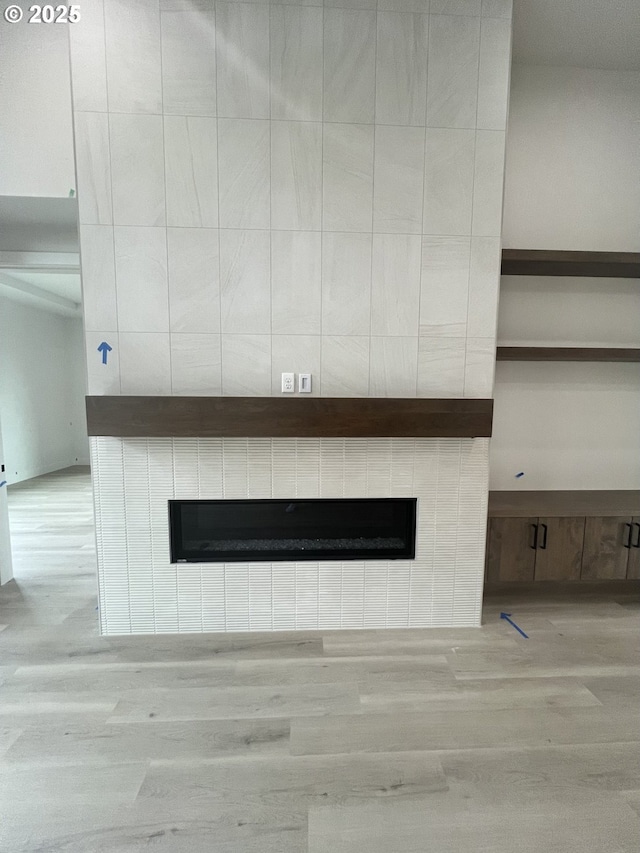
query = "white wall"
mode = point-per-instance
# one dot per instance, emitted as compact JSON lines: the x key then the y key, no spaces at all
{"x":41,"y":391}
{"x":571,"y":183}
{"x":573,"y":150}
{"x":566,"y":426}
{"x":36,"y":141}
{"x":6,"y":567}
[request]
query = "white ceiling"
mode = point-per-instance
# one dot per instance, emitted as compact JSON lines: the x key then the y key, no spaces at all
{"x":582,"y":33}
{"x":66,"y":285}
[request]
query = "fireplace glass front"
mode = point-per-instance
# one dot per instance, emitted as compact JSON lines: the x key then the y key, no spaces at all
{"x":225,"y":531}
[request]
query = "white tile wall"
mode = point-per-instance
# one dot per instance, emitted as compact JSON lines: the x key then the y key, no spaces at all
{"x":288,"y":186}
{"x":142,"y":592}
{"x":191,"y":171}
{"x":189,"y":62}
{"x":328,"y":157}
{"x":349,"y":65}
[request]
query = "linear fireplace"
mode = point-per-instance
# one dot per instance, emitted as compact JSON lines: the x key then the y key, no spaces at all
{"x":296,"y":529}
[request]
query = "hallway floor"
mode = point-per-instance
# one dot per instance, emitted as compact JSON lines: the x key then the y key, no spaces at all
{"x":438,"y":741}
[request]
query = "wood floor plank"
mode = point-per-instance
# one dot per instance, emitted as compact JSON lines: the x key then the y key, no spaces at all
{"x":72,"y":785}
{"x":202,"y":703}
{"x":460,"y":729}
{"x":608,"y":825}
{"x":303,"y":780}
{"x":95,"y":744}
{"x":480,"y":695}
{"x":488,"y":775}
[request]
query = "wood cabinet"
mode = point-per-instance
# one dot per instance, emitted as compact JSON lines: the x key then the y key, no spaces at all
{"x":510,"y":552}
{"x":558,"y":551}
{"x":534,"y":548}
{"x":607,"y":547}
{"x":633,"y":566}
{"x":563,"y":536}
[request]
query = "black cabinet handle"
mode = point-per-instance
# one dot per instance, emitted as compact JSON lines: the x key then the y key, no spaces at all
{"x":636,"y":544}
{"x":544,"y":540}
{"x":534,"y":544}
{"x":627,"y":544}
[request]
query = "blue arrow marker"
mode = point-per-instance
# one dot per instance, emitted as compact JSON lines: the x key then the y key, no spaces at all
{"x":505,"y":616}
{"x":104,"y":348}
{"x":3,"y":483}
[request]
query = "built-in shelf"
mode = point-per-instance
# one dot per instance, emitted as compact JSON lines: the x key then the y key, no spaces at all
{"x":567,"y":354}
{"x":550,"y":262}
{"x":301,"y":417}
{"x":521,"y":504}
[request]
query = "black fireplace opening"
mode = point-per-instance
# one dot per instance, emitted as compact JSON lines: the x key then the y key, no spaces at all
{"x":224,"y":531}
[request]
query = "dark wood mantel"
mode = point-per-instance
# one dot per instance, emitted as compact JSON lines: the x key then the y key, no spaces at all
{"x":317,"y":417}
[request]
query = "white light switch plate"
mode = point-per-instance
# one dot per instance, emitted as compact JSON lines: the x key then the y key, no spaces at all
{"x":304,"y":383}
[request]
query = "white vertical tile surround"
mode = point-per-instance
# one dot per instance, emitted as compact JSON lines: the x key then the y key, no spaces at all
{"x":135,"y":478}
{"x":289,"y":186}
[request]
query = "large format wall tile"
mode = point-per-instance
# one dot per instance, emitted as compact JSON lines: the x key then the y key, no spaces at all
{"x":244,"y":180}
{"x":347,"y":177}
{"x":98,"y":277}
{"x":102,"y":378}
{"x":495,"y":63}
{"x":398,"y":179}
{"x":189,"y":62}
{"x":194,"y":280}
{"x":444,"y":292}
{"x":191,"y":169}
{"x":295,"y":354}
{"x":137,"y":169}
{"x":88,"y":60}
{"x":484,"y":286}
{"x":401,"y":68}
{"x":395,"y":284}
{"x":296,"y":63}
{"x":245,"y":287}
{"x":454,"y":44}
{"x":346,"y":284}
{"x":296,"y":282}
{"x":393,"y":367}
{"x":296,"y":175}
{"x":134,"y":82}
{"x":345,"y":366}
{"x":480,"y":367}
{"x":141,"y":279}
{"x":455,"y":7}
{"x":93,"y":166}
{"x":487,"y":183}
{"x":196,"y":364}
{"x":497,"y":8}
{"x":242,"y":55}
{"x":349,"y":65}
{"x":448,"y":184}
{"x":441,"y":367}
{"x":145,"y":363}
{"x":246,"y":365}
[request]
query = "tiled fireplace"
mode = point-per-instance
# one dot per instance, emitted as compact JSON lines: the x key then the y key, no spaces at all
{"x":298,"y":187}
{"x":141,"y":591}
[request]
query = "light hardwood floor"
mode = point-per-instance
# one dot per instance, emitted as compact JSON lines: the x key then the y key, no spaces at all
{"x":437,"y":741}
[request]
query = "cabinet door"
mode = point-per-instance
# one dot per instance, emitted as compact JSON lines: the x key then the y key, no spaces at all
{"x":559,"y":551}
{"x":633,"y":567}
{"x":605,"y":555}
{"x":511,"y":556}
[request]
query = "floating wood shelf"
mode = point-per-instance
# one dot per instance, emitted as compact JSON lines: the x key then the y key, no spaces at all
{"x":567,"y":354}
{"x":317,"y":417}
{"x":551,"y":262}
{"x":520,"y":504}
